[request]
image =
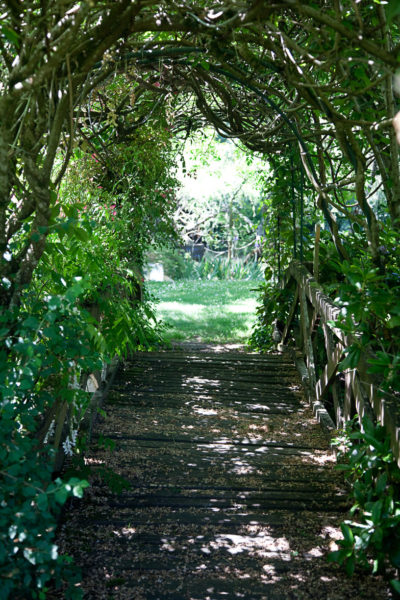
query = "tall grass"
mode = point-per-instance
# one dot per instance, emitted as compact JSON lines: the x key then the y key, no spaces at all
{"x":219,"y":267}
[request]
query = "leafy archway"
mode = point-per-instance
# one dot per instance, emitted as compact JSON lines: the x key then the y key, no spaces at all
{"x":91,"y":94}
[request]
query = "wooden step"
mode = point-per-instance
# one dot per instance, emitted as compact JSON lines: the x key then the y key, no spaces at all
{"x":232,"y":491}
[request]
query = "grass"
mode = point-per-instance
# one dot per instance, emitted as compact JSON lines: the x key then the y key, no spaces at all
{"x":206,"y":311}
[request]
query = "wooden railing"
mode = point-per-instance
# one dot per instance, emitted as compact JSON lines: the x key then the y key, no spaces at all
{"x":58,"y":417}
{"x":335,"y":396}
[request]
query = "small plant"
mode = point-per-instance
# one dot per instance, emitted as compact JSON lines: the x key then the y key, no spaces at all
{"x":372,"y":539}
{"x":81,"y":469}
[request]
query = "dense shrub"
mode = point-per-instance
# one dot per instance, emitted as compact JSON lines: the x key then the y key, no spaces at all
{"x":372,"y":538}
{"x":38,"y":361}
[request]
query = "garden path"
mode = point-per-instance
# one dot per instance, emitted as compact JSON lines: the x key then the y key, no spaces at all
{"x":232,"y":488}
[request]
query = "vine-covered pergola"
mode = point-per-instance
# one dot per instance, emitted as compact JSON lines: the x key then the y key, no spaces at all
{"x":313,"y":81}
{"x":93,"y":92}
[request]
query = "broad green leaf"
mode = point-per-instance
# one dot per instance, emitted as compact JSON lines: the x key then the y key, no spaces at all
{"x":42,"y":502}
{"x":377,"y":537}
{"x":61,"y":495}
{"x":54,"y":302}
{"x":376,"y":511}
{"x":78,"y":488}
{"x":381,"y":483}
{"x":347,"y":533}
{"x":81,"y":234}
{"x":11,"y":35}
{"x":350,"y":565}
{"x":394,"y":322}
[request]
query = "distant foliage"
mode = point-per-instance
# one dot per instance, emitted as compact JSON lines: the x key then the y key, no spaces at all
{"x":221,"y":268}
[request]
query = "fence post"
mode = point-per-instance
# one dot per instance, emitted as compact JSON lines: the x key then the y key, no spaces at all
{"x":307,"y":342}
{"x":316,"y":251}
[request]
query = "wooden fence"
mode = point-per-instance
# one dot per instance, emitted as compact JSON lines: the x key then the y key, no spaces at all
{"x":335,"y":396}
{"x":56,"y":424}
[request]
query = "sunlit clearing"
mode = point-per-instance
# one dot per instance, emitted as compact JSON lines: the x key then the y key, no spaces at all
{"x":206,"y":311}
{"x":178,"y":307}
{"x":242,"y":306}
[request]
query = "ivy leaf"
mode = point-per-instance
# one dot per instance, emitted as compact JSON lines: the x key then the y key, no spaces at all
{"x":61,"y":495}
{"x":77,"y":490}
{"x":42,"y":502}
{"x":334,"y":556}
{"x":54,"y":302}
{"x":394,"y":322}
{"x":31,"y":323}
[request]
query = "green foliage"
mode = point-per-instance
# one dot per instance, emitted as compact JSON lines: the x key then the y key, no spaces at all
{"x":81,"y":470}
{"x":180,"y":266}
{"x":119,"y":192}
{"x":220,"y":198}
{"x":31,"y":502}
{"x":221,"y":268}
{"x":172,"y":259}
{"x":50,"y":343}
{"x":84,"y":305}
{"x":370,"y":312}
{"x":373,"y":539}
{"x":274,"y":303}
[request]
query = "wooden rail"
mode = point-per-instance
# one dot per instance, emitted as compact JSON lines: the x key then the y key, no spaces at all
{"x":59,"y":414}
{"x":335,"y":396}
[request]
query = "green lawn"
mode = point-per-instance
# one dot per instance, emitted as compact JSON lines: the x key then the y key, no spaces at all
{"x":206,"y":311}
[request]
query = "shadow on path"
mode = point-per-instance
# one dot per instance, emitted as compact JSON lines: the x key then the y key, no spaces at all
{"x":232,"y":488}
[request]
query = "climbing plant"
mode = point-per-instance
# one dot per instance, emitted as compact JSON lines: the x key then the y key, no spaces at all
{"x":90,"y":95}
{"x":372,"y":538}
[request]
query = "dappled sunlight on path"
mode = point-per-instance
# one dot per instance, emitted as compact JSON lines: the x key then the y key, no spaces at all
{"x":232,"y":488}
